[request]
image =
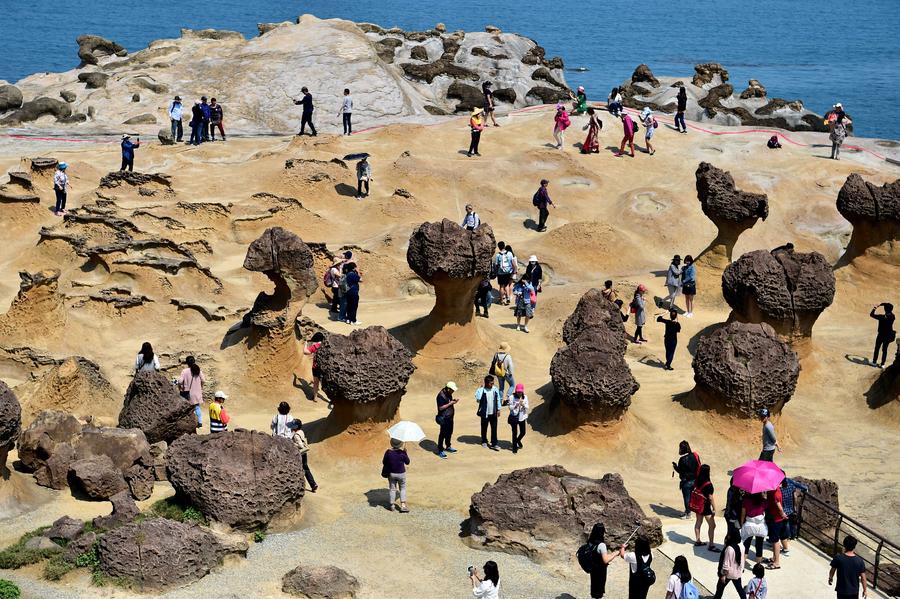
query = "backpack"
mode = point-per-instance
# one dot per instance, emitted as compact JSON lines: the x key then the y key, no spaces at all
{"x":497,"y":368}
{"x":504,"y":264}
{"x":689,"y":591}
{"x":328,"y":279}
{"x":655,"y":124}
{"x":698,"y":500}
{"x":536,"y":198}
{"x":588,"y":557}
{"x":634,"y":127}
{"x":645,"y":573}
{"x":344,"y":285}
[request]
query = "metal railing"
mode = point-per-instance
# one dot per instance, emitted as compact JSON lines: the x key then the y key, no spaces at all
{"x":825,"y":528}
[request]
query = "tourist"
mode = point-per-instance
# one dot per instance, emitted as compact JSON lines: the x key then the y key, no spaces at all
{"x":579,"y":101}
{"x":502,"y":368}
{"x":688,"y":469}
{"x":619,"y":303}
{"x":789,"y":490}
{"x":703,"y":502}
{"x":196,"y":122}
{"x":394,"y":464}
{"x":838,"y":115}
{"x":444,"y":418}
{"x":614,"y":102}
{"x":561,"y":122}
{"x":505,"y":267}
{"x":206,"y":117}
{"x":518,"y":414}
{"x":488,"y":103}
{"x":776,"y":521}
{"x":850,"y":570}
{"x":343,"y":287}
{"x":681,"y":106}
{"x":601,"y":558}
{"x":608,"y":292}
{"x":216,"y":117}
{"x":299,"y":439}
{"x":650,"y":126}
{"x":128,"y":148}
{"x":773,"y":143}
{"x":757,"y":587}
{"x":476,"y":126}
{"x":670,"y":337}
{"x":489,"y":586}
{"x":731,"y":566}
{"x":60,"y":188}
{"x":190,"y":385}
{"x":640,"y":572}
{"x":673,"y":281}
{"x":837,"y":136}
{"x":306,"y":118}
{"x":471,"y":220}
{"x":333,"y":281}
{"x":591,"y":144}
{"x":363,"y":176}
{"x":681,"y":575}
{"x":484,"y":295}
{"x":281,"y":422}
{"x":769,"y":441}
{"x":886,"y":333}
{"x":218,"y":417}
{"x":489,"y":401}
{"x":733,"y":502}
{"x":352,"y":293}
{"x":639,"y":309}
{"x":689,"y":284}
{"x":146,"y":359}
{"x":535,"y":274}
{"x":346,"y":112}
{"x":753,"y":523}
{"x":541,"y":200}
{"x":525,"y":296}
{"x":315,"y":343}
{"x":629,"y":128}
{"x":176,"y":112}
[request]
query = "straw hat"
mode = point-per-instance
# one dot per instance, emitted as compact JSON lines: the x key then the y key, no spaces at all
{"x":476,"y":111}
{"x":504,"y":347}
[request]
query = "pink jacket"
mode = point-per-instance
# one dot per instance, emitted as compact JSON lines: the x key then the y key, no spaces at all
{"x":562,"y":120}
{"x":628,"y":124}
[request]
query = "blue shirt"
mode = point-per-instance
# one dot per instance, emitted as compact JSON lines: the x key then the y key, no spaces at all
{"x":353,"y":279}
{"x":787,"y":495}
{"x":491,"y":406}
{"x":128,"y":149}
{"x":204,"y":108}
{"x":689,"y":274}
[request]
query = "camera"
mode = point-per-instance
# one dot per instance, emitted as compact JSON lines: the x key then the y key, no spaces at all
{"x":471,"y":570}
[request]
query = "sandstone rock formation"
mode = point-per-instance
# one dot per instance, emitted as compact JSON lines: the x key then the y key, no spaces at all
{"x":153,"y":405}
{"x":364,"y":374}
{"x":546,"y":512}
{"x":709,"y":73}
{"x":157,"y":554}
{"x":593,"y":310}
{"x":784,"y":288}
{"x":10,"y":423}
{"x":874,"y":213}
{"x":10,"y":98}
{"x":243,"y":478}
{"x":97,"y":477}
{"x":740,"y":368}
{"x":643,"y":74}
{"x":818,"y":521}
{"x":732,"y":211}
{"x":75,"y":385}
{"x":886,"y":388}
{"x":64,"y":529}
{"x":35,"y":109}
{"x":319,"y":582}
{"x":755,"y":89}
{"x":124,"y":510}
{"x":91,"y":48}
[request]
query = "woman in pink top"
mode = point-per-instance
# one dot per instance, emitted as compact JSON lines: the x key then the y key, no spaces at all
{"x":562,"y":123}
{"x":628,"y":126}
{"x":190,"y":384}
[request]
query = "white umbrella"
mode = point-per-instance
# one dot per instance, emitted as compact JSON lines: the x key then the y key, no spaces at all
{"x":406,"y":431}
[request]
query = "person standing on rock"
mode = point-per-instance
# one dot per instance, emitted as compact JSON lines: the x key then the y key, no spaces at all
{"x":518,"y":414}
{"x":886,"y":333}
{"x":346,"y":112}
{"x":61,"y":188}
{"x":363,"y":176}
{"x":218,"y":417}
{"x":650,"y":125}
{"x":639,"y":562}
{"x":146,"y":359}
{"x":837,"y":136}
{"x":128,"y":148}
{"x":502,"y":368}
{"x":629,"y":128}
{"x":689,"y":284}
{"x":608,"y":293}
{"x":352,"y":293}
{"x":206,"y":117}
{"x":298,"y":437}
{"x":471,"y":220}
{"x":703,"y":504}
{"x":769,"y":440}
{"x":670,"y":337}
{"x":190,"y":384}
{"x":306,"y":118}
{"x":681,"y":100}
{"x":591,"y":144}
{"x":688,"y":469}
{"x":484,"y":295}
{"x":489,"y":402}
{"x":489,"y":586}
{"x":196,"y":123}
{"x":176,"y":112}
{"x":638,"y":307}
{"x":476,"y":126}
{"x":525,"y":299}
{"x":216,"y":117}
{"x":281,"y":422}
{"x":486,"y":89}
{"x":600,"y":558}
{"x":393,"y":465}
{"x":542,"y":202}
{"x":444,"y":418}
{"x":673,"y":281}
{"x":850,"y":570}
{"x":310,"y":350}
{"x":561,"y":122}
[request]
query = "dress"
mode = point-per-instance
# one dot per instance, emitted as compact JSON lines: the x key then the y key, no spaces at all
{"x":592,"y":141}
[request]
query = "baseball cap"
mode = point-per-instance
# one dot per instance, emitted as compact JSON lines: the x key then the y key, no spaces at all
{"x":452,"y":386}
{"x":763,"y":412}
{"x":221,"y":395}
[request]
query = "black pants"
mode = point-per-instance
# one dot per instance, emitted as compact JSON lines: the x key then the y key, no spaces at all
{"x":359,"y":186}
{"x":348,"y":126}
{"x":759,"y":546}
{"x":127,"y":164}
{"x":767,"y":455}
{"x":473,"y":145}
{"x":881,"y":342}
{"x":638,"y":332}
{"x":492,"y":421}
{"x":637,"y":588}
{"x":196,"y":138}
{"x":212,"y":130}
{"x":204,"y":129}
{"x":543,"y":213}
{"x":720,"y":588}
{"x":352,"y":306}
{"x":60,"y":199}
{"x":305,"y":120}
{"x":679,"y":121}
{"x":335,"y":299}
{"x":518,"y":433}
{"x":445,"y":437}
{"x":670,"y":350}
{"x":308,"y":473}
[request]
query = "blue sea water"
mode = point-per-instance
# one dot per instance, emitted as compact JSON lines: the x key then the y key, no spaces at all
{"x":820,"y":51}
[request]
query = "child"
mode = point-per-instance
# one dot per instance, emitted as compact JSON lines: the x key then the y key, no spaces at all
{"x":757,"y":588}
{"x":773,"y":143}
{"x":218,"y":417}
{"x":299,"y":439}
{"x":282,"y":421}
{"x":483,"y":297}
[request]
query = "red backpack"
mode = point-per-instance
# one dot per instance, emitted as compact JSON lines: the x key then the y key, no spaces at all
{"x":698,"y":500}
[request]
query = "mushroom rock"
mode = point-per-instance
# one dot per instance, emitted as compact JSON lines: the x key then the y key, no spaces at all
{"x":10,"y":98}
{"x":741,"y":367}
{"x":643,"y":74}
{"x":709,"y":72}
{"x":10,"y":423}
{"x":594,"y":310}
{"x":546,"y":512}
{"x":732,"y":211}
{"x":153,"y":405}
{"x":364,"y":374}
{"x":242,"y":478}
{"x":874,"y":213}
{"x":755,"y":89}
{"x":319,"y":582}
{"x":91,"y":48}
{"x":784,"y":288}
{"x":453,"y":260}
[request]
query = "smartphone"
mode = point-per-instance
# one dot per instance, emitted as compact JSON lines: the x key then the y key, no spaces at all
{"x":471,"y":570}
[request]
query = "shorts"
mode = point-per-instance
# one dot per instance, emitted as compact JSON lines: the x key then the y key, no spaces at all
{"x":317,"y":372}
{"x":527,"y":311}
{"x":648,"y":132}
{"x":504,"y":280}
{"x":778,"y":531}
{"x":689,"y":288}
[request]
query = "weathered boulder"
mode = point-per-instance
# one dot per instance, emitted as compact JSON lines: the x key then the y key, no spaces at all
{"x":319,"y":582}
{"x":124,"y":510}
{"x":141,"y":119}
{"x":741,"y":367}
{"x":153,"y":405}
{"x":64,"y":530}
{"x":240,"y":478}
{"x":709,"y":72}
{"x":10,"y":422}
{"x":819,"y":521}
{"x":78,"y":546}
{"x":165,"y":137}
{"x":91,"y":48}
{"x":115,"y":179}
{"x":470,"y":96}
{"x":783,"y":288}
{"x":35,"y":109}
{"x":547,"y":95}
{"x":97,"y":477}
{"x":755,"y":89}
{"x":364,"y":374}
{"x":546,"y":512}
{"x":46,"y":438}
{"x":158,"y":553}
{"x":593,"y":310}
{"x":873,"y":211}
{"x":643,"y":74}
{"x":158,"y":458}
{"x":93,"y":79}
{"x":10,"y":97}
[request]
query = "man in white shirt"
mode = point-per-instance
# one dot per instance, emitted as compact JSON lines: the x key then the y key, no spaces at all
{"x":347,"y":110}
{"x":176,"y":110}
{"x":471,"y":221}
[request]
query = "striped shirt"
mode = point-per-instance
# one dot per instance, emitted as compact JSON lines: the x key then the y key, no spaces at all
{"x":218,"y":418}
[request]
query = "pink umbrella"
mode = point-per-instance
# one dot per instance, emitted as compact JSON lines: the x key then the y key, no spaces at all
{"x":757,"y":476}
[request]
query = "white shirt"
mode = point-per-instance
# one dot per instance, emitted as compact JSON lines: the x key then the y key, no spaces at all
{"x":280,"y":426}
{"x":347,"y":106}
{"x":140,"y":365}
{"x":522,"y":410}
{"x":631,"y":559}
{"x":176,"y":111}
{"x":471,"y":220}
{"x":60,"y":180}
{"x":487,"y":590}
{"x":674,"y":585}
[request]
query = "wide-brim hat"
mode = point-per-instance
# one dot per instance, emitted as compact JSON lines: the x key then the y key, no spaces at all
{"x":125,"y":136}
{"x":504,"y":347}
{"x":532,"y":258}
{"x":221,"y":395}
{"x":477,"y":111}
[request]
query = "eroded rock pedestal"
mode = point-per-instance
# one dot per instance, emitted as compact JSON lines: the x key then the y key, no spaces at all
{"x":874,"y":213}
{"x":10,"y":423}
{"x":593,"y":310}
{"x":319,"y":582}
{"x":153,"y":405}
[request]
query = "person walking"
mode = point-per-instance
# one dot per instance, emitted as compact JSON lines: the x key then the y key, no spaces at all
{"x":688,"y":469}
{"x":190,"y":385}
{"x":195,"y":124}
{"x":487,"y":587}
{"x":681,"y":106}
{"x":518,"y":414}
{"x":650,"y":126}
{"x":489,"y":402}
{"x":639,"y":309}
{"x":886,"y":333}
{"x":525,"y":296}
{"x":476,"y":126}
{"x":444,"y":418}
{"x":777,"y":523}
{"x":218,"y":417}
{"x":310,"y":349}
{"x":216,"y":117}
{"x":484,"y":295}
{"x":346,"y":112}
{"x":753,"y":524}
{"x":394,"y":464}
{"x":146,"y":360}
{"x":673,"y":281}
{"x":850,"y":570}
{"x":689,"y":284}
{"x":363,"y":176}
{"x":306,"y":118}
{"x":502,"y":368}
{"x":670,"y":337}
{"x":789,"y":490}
{"x":505,"y":266}
{"x":176,"y":113}
{"x":542,"y":202}
{"x":640,"y":573}
{"x":298,"y":437}
{"x":703,"y":503}
{"x":600,"y":558}
{"x":731,"y":566}
{"x":837,"y":136}
{"x":680,"y":577}
{"x":205,"y":118}
{"x":614,"y":102}
{"x":757,"y":588}
{"x":608,"y":292}
{"x":535,"y":274}
{"x":61,"y":188}
{"x":629,"y":128}
{"x":333,"y":281}
{"x":591,"y":144}
{"x":352,"y":293}
{"x":488,"y":92}
{"x":561,"y":123}
{"x":769,"y":440}
{"x":128,"y":148}
{"x":471,"y":220}
{"x":281,"y":422}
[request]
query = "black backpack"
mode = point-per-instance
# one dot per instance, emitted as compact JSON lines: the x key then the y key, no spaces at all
{"x":634,"y":127}
{"x":645,"y":573}
{"x":588,"y":557}
{"x":536,"y":198}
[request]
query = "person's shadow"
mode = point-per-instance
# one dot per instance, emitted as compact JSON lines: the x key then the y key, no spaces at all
{"x":666,"y":511}
{"x":345,"y":190}
{"x":530,"y":223}
{"x":655,"y":363}
{"x":857,"y":360}
{"x":379,"y":498}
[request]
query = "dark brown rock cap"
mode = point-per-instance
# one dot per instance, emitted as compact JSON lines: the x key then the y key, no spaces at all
{"x":319,"y":582}
{"x":153,"y":405}
{"x":861,"y":200}
{"x":447,"y":247}
{"x":283,"y":254}
{"x":594,"y":310}
{"x":722,"y":200}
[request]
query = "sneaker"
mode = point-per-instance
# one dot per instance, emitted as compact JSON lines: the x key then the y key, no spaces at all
{"x":785,"y":553}
{"x":526,"y":329}
{"x":689,"y":315}
{"x":484,"y":445}
{"x":451,"y":449}
{"x":316,"y":488}
{"x":495,"y":448}
{"x":477,"y":153}
{"x":356,"y":323}
{"x":442,"y":455}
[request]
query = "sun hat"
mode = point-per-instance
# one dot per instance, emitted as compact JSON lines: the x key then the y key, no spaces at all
{"x":178,"y":98}
{"x":477,"y":110}
{"x":641,"y":287}
{"x":125,"y":136}
{"x":532,"y":258}
{"x":763,"y":412}
{"x":63,"y":166}
{"x":520,"y":388}
{"x":396,"y":443}
{"x":452,"y":386}
{"x":838,"y":105}
{"x":504,"y":347}
{"x":221,"y":395}
{"x":581,"y":88}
